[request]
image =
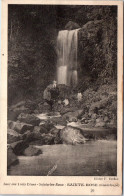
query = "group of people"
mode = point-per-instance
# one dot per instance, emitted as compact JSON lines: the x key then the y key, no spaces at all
{"x":51,"y":94}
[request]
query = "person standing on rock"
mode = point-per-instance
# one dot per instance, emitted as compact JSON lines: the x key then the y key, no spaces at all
{"x":51,"y":93}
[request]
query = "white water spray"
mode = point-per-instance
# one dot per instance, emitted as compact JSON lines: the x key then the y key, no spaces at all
{"x":67,"y":44}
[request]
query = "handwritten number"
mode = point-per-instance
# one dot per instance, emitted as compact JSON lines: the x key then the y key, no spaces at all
{"x":92,"y":190}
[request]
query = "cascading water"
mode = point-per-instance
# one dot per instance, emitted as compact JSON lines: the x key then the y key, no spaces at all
{"x":67,"y":44}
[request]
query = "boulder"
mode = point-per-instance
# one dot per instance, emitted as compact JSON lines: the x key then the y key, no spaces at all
{"x":16,"y":109}
{"x":71,"y":135}
{"x":32,"y":136}
{"x":98,"y":120}
{"x":12,"y":115}
{"x":17,"y":105}
{"x":71,"y":25}
{"x":73,"y":116}
{"x":11,"y":157}
{"x":99,"y":104}
{"x":46,"y":127}
{"x":56,"y":135}
{"x":66,"y":102}
{"x":29,"y":119}
{"x":48,"y":139}
{"x":106,"y":119}
{"x":112,"y":124}
{"x":32,"y":151}
{"x":100,"y":124}
{"x":54,"y":131}
{"x":27,"y":135}
{"x":19,"y":146}
{"x":59,"y":120}
{"x":94,"y":116}
{"x":31,"y":105}
{"x":42,"y":108}
{"x":65,"y":110}
{"x":13,"y":136}
{"x":20,"y":127}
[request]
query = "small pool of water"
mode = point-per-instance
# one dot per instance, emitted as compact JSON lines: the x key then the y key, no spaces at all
{"x":95,"y":158}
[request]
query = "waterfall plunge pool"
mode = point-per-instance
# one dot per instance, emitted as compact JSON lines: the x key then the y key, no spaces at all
{"x":94,"y":158}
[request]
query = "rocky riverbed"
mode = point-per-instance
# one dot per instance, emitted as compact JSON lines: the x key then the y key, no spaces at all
{"x":64,"y":128}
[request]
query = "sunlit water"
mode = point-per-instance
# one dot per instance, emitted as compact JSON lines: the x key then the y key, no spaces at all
{"x":96,"y":158}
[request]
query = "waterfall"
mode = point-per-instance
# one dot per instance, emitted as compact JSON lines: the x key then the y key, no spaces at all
{"x":67,"y":44}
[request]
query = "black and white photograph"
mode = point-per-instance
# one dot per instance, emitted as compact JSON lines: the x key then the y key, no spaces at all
{"x":62,"y":90}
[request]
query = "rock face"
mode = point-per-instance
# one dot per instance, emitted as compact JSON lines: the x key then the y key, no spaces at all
{"x":29,"y":119}
{"x":71,"y":25}
{"x":19,"y":146}
{"x":11,"y":157}
{"x":32,"y":151}
{"x":59,"y":120}
{"x":70,"y":135}
{"x":43,"y":107}
{"x":12,"y":136}
{"x":73,"y":116}
{"x":45,"y":127}
{"x":32,"y":136}
{"x":20,"y":127}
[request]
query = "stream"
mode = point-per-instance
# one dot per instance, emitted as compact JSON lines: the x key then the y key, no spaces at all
{"x":94,"y":158}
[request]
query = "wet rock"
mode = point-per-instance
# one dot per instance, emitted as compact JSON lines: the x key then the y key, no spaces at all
{"x":48,"y":139}
{"x":98,"y":105}
{"x":73,"y":116}
{"x":19,"y":146}
{"x":32,"y":136}
{"x":112,"y":124}
{"x":16,"y":109}
{"x":71,"y":135}
{"x":13,"y":136}
{"x":59,"y":102}
{"x":65,"y":110}
{"x":42,"y":108}
{"x":17,"y":105}
{"x":66,"y":102}
{"x":29,"y":119}
{"x":100,"y":124}
{"x":94,"y":116}
{"x":46,"y":127}
{"x":106,"y":119}
{"x":36,"y":112}
{"x":31,"y":105}
{"x":59,"y":120}
{"x":56,"y":135}
{"x":57,"y":107}
{"x":98,"y":120}
{"x":32,"y":151}
{"x":12,"y":115}
{"x":84,"y":120}
{"x":43,"y":129}
{"x":111,"y":137}
{"x":11,"y":157}
{"x":71,"y":25}
{"x":54,"y":131}
{"x":20,"y":127}
{"x":54,"y":114}
{"x":26,"y":136}
{"x":37,"y":129}
{"x":64,"y":91}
